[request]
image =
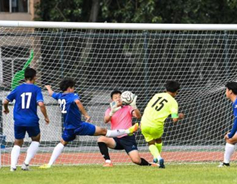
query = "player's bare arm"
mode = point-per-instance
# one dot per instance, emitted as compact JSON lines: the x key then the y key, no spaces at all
{"x":82,"y":109}
{"x":181,"y":116}
{"x":50,"y":91}
{"x":44,"y":112}
{"x":5,"y":105}
{"x":136,"y":114}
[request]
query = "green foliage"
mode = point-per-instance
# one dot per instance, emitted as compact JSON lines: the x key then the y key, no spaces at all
{"x":62,"y":10}
{"x":170,"y":11}
{"x":140,"y":11}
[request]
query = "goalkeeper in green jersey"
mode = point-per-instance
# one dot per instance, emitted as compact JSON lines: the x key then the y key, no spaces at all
{"x":157,"y":110}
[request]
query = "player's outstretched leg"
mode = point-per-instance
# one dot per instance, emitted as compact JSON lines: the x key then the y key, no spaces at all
{"x":133,"y":128}
{"x":115,"y":133}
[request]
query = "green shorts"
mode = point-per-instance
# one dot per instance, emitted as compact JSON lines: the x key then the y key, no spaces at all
{"x":151,"y":133}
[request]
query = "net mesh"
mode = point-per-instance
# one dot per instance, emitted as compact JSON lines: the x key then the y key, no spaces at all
{"x":134,"y":60}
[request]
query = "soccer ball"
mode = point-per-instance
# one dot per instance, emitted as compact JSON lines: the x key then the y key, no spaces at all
{"x":127,"y":97}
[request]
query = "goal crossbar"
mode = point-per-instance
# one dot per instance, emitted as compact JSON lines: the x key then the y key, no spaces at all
{"x":117,"y":26}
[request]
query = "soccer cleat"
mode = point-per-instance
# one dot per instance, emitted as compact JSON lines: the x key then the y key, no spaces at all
{"x":45,"y":166}
{"x":161,"y":163}
{"x":25,"y":167}
{"x":133,"y":128}
{"x":12,"y":169}
{"x":155,"y":160}
{"x":108,"y":165}
{"x":224,"y":165}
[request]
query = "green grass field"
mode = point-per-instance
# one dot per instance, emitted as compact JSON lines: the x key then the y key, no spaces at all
{"x":126,"y":174}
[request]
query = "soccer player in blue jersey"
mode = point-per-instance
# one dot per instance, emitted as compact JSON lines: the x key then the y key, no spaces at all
{"x":27,"y":96}
{"x":231,"y":137}
{"x":72,"y":108}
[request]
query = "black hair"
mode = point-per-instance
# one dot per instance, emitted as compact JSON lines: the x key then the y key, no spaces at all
{"x":232,"y":86}
{"x":172,"y":86}
{"x":30,"y":73}
{"x":66,"y":83}
{"x":115,"y":92}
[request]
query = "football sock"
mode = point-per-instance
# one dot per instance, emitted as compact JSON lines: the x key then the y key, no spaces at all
{"x":31,"y":151}
{"x":104,"y":150}
{"x":159,"y":147}
{"x":108,"y":161}
{"x":144,"y":162}
{"x":15,"y":155}
{"x":229,"y":150}
{"x":155,"y":152}
{"x":115,"y":133}
{"x":56,"y":152}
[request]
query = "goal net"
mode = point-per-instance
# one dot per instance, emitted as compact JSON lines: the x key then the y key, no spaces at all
{"x":135,"y":57}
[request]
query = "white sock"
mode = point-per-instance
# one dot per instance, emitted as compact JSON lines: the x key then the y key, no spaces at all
{"x":31,"y":151}
{"x":15,"y":155}
{"x":56,"y":152}
{"x":107,"y":161}
{"x":229,"y":150}
{"x":115,"y":133}
{"x":159,"y":157}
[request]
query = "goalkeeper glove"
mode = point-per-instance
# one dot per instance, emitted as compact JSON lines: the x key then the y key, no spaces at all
{"x":114,"y":108}
{"x":133,"y":104}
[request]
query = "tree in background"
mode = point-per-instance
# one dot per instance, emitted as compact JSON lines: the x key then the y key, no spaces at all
{"x":138,"y":11}
{"x":67,"y":10}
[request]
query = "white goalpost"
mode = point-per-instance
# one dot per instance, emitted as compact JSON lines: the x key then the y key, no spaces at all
{"x":140,"y":58}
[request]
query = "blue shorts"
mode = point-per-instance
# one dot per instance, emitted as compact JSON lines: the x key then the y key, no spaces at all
{"x":128,"y":143}
{"x":84,"y":129}
{"x":20,"y":131}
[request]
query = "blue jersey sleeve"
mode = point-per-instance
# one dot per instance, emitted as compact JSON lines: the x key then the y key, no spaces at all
{"x":12,"y":95}
{"x":76,"y":97}
{"x":56,"y":96}
{"x":235,"y":112}
{"x":39,"y":97}
{"x":234,"y":129}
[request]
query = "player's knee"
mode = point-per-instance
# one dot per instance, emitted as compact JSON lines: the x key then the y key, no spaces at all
{"x":151,"y":142}
{"x":136,"y":161}
{"x":100,"y":131}
{"x":135,"y":157}
{"x":103,"y":131}
{"x":19,"y":142}
{"x":101,"y":139}
{"x":231,"y":141}
{"x":64,"y":143}
{"x":36,"y":138}
{"x":158,"y":141}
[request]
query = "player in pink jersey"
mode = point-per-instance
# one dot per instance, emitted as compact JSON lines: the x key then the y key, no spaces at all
{"x":121,"y":117}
